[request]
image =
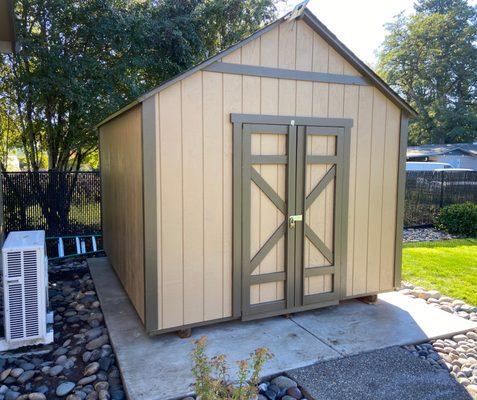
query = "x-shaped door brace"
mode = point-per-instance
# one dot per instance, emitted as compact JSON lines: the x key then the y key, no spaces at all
{"x":281,"y":205}
{"x":312,"y":236}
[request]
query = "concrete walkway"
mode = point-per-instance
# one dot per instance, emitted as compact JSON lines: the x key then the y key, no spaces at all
{"x":158,"y":367}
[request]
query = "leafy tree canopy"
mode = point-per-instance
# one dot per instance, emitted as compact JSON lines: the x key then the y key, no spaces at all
{"x":80,"y":60}
{"x":431,"y":59}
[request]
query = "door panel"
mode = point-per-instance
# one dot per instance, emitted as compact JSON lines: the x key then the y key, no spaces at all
{"x":265,"y":177}
{"x":322,"y":185}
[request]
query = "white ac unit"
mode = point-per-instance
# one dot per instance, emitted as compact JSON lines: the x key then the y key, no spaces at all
{"x":25,"y":290}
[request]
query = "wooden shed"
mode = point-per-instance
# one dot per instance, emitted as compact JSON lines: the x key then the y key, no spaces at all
{"x":267,"y":180}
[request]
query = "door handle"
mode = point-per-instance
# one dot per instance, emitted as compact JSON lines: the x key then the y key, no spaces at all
{"x":292,"y":219}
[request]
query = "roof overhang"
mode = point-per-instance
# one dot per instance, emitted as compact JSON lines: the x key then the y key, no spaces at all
{"x":7,"y":31}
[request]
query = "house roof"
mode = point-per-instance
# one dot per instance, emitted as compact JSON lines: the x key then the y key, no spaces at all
{"x":7,"y":34}
{"x":319,"y":28}
{"x":430,"y":150}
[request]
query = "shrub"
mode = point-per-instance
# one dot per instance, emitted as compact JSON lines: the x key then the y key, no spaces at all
{"x":212,"y":375}
{"x":459,"y":219}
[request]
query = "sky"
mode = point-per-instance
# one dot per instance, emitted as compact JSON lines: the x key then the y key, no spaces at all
{"x":357,"y":23}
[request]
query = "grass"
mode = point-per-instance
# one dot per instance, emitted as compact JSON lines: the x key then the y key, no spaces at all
{"x":84,"y":214}
{"x":449,"y":266}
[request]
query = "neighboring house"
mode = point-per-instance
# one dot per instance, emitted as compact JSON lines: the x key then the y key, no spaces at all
{"x":459,"y":155}
{"x":7,"y":34}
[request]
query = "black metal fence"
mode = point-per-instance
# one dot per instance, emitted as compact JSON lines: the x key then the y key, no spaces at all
{"x":61,"y":203}
{"x":428,"y":191}
{"x":70,"y":203}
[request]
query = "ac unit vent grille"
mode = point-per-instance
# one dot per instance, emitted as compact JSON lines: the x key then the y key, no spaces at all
{"x":14,"y":260}
{"x":30,"y":279}
{"x":15,"y":304}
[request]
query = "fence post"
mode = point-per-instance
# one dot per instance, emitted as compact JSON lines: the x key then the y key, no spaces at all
{"x":441,"y":200}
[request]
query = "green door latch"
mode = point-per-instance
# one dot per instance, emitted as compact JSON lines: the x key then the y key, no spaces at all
{"x":294,"y":218}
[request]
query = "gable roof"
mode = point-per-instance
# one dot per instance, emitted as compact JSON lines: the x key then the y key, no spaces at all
{"x":430,"y":150}
{"x":319,"y":28}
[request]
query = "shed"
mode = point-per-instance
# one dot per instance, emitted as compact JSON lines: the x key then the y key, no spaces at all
{"x":267,"y":180}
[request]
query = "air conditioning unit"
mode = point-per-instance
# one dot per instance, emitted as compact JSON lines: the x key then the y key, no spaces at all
{"x":25,"y":291}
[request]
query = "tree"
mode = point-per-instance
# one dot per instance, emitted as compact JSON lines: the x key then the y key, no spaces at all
{"x":430,"y":58}
{"x":81,"y":60}
{"x":225,"y":22}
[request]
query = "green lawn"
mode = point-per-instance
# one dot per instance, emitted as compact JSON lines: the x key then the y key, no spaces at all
{"x":449,"y":266}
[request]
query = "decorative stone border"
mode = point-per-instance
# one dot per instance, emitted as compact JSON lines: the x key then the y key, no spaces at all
{"x":457,"y":355}
{"x":278,"y":388}
{"x":436,"y":299}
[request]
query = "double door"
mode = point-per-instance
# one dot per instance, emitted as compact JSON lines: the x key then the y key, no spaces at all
{"x":290,"y":202}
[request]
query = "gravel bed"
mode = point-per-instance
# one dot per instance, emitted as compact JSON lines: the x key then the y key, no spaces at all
{"x":457,"y":355}
{"x":425,"y":235}
{"x":80,"y":364}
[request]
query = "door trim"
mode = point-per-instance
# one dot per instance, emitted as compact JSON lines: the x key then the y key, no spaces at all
{"x":286,"y":120}
{"x":239,"y":212}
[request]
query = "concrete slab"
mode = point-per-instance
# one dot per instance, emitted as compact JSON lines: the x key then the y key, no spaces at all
{"x":386,"y":374}
{"x":395,"y":320}
{"x":159,"y":367}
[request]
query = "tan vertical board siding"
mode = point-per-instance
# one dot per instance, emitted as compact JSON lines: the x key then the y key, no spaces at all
{"x":268,"y":49}
{"x":121,"y":174}
{"x":361,"y":200}
{"x":193,"y":197}
{"x":304,"y":47}
{"x":213,"y":182}
{"x":376,"y":192}
{"x":160,"y":293}
{"x":171,"y":206}
{"x":298,"y":37}
{"x":391,"y":156}
{"x":351,"y":111}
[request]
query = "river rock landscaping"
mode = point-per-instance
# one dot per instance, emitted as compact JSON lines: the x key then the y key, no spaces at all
{"x":278,"y":388}
{"x":457,"y":355}
{"x":436,"y":299}
{"x":80,"y":364}
{"x":425,"y":235}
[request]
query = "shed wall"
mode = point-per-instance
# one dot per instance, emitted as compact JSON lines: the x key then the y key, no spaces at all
{"x":194,"y":170}
{"x":122,"y":202}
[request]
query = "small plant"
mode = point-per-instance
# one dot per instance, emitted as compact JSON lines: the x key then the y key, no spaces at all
{"x":459,"y":219}
{"x":212,"y":381}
